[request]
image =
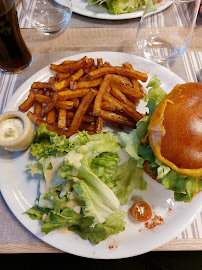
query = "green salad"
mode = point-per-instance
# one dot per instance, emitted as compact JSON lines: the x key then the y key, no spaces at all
{"x":83,"y":184}
{"x":122,"y":6}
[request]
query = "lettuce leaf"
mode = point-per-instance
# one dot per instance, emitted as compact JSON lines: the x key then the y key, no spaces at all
{"x":132,"y":141}
{"x":128,"y":178}
{"x":94,"y":144}
{"x":94,"y":206}
{"x":66,"y":217}
{"x":104,"y":166}
{"x":100,"y":188}
{"x":47,"y":143}
{"x":35,"y":212}
{"x":101,"y":231}
{"x":184,"y":187}
{"x":35,"y":168}
{"x":155,"y":95}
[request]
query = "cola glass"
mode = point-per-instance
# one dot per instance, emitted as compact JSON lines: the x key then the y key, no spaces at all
{"x":14,"y":54}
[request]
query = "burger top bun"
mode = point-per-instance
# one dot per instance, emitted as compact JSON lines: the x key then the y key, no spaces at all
{"x":175,"y":130}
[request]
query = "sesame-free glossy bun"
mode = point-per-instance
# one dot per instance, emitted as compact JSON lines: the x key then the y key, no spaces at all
{"x":175,"y":129}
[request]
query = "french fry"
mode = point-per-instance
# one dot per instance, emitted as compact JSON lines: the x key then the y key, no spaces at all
{"x":42,"y":98}
{"x":37,"y":108}
{"x":127,"y":90}
{"x":51,"y":105}
{"x":101,"y":92}
{"x":52,"y":80}
{"x":62,"y":76}
{"x":99,"y":62}
{"x":65,"y":105}
{"x":33,"y":117}
{"x":58,"y":86}
{"x":134,"y":82}
{"x":86,"y":118}
{"x":42,"y":85}
{"x":114,"y":124}
{"x":77,"y":75}
{"x":117,"y":104}
{"x":50,"y":118}
{"x":67,"y":133}
{"x":89,"y":119}
{"x":121,"y":80}
{"x":48,"y":126}
{"x":62,"y":118}
{"x":108,"y":106}
{"x":28,"y":103}
{"x":89,"y":65}
{"x":99,"y":124}
{"x":70,"y":67}
{"x":118,"y":70}
{"x":87,"y":127}
{"x":87,"y":84}
{"x":128,"y":107}
{"x":113,"y":117}
{"x":75,"y":102}
{"x":70,"y":94}
{"x":67,"y":62}
{"x":118,"y":94}
{"x":83,"y":125}
{"x":81,"y":111}
{"x":38,"y":105}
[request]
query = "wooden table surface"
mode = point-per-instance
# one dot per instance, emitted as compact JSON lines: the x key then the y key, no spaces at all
{"x":93,"y":39}
{"x":85,"y":40}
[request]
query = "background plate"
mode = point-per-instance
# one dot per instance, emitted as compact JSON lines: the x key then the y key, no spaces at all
{"x":20,"y":190}
{"x":99,"y":12}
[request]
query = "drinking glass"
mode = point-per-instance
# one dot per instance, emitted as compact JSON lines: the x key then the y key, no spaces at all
{"x":164,"y":34}
{"x":14,"y":54}
{"x":48,"y":16}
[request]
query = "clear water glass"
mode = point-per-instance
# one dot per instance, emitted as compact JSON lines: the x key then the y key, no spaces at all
{"x":165,"y":33}
{"x":48,"y":16}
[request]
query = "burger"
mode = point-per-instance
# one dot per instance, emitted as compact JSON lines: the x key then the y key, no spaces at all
{"x":167,"y":142}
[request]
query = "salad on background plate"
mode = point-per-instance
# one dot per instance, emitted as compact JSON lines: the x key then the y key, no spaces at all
{"x":115,"y":9}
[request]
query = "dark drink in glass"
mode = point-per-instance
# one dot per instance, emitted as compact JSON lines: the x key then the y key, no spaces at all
{"x":14,"y":54}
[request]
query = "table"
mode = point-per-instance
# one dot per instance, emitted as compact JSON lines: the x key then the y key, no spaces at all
{"x":85,"y":35}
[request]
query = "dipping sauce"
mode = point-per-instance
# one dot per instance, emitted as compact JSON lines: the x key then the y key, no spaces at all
{"x":10,"y":129}
{"x":16,"y":131}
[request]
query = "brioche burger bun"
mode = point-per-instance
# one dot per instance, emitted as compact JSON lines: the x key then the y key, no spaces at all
{"x":175,"y":130}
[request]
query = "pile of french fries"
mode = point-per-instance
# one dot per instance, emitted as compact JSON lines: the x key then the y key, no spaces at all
{"x":83,"y":94}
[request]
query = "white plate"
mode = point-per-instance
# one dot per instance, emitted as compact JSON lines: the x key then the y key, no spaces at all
{"x":99,"y":12}
{"x":20,"y":190}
